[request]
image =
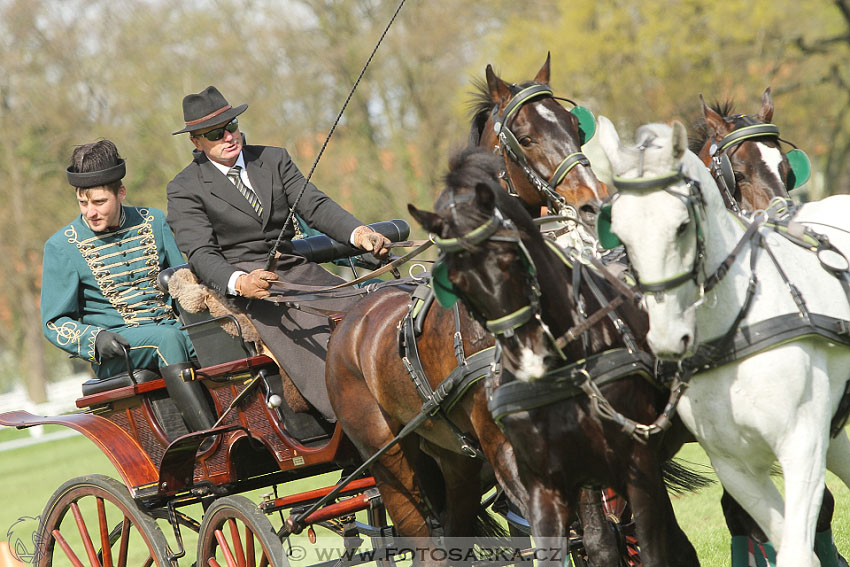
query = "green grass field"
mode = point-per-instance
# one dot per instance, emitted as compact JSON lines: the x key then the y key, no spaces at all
{"x":31,"y":474}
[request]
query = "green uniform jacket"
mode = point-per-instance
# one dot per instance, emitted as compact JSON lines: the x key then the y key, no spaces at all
{"x":94,"y":281}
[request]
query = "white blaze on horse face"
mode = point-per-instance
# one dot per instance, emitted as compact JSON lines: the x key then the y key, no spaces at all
{"x":546,"y":113}
{"x":772,"y":158}
{"x":661,"y":242}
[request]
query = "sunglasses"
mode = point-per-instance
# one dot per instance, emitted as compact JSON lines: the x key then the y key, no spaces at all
{"x":218,"y":133}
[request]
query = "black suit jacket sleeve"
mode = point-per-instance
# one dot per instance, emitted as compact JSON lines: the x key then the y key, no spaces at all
{"x":215,"y":226}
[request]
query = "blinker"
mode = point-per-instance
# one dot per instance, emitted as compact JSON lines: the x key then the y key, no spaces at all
{"x":801,"y":168}
{"x":606,"y":238}
{"x":444,"y":290}
{"x":586,"y":123}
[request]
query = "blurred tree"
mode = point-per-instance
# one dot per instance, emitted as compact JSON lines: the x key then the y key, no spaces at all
{"x":644,"y":62}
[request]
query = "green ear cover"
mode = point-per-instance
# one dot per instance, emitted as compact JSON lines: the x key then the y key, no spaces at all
{"x":444,"y":290}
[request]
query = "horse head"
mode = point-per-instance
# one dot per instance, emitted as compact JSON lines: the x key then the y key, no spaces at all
{"x":744,"y":154}
{"x":665,"y":203}
{"x":495,"y":259}
{"x":540,"y":143}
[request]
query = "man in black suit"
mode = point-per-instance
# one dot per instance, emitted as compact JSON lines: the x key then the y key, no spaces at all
{"x":227,"y":208}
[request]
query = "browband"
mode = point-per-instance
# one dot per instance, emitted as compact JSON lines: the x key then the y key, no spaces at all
{"x":746,"y":132}
{"x":97,"y":178}
{"x":644,"y":183}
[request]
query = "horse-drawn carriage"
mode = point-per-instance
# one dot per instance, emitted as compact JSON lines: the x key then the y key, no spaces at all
{"x":264,"y":436}
{"x":258,"y":441}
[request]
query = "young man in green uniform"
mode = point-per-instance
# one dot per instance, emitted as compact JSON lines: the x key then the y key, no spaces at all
{"x":99,"y":293}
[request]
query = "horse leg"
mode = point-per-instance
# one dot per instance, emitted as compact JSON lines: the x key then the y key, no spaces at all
{"x":662,"y":542}
{"x":600,"y":541}
{"x":464,"y":520}
{"x":550,"y":512}
{"x":368,"y":428}
{"x":746,"y":534}
{"x":803,"y":494}
{"x":838,"y":462}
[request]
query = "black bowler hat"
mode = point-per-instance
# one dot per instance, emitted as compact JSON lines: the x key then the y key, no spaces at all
{"x":207,"y":108}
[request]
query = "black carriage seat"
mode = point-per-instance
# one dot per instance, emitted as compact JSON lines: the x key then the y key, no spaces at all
{"x":164,"y":409}
{"x":97,"y":386}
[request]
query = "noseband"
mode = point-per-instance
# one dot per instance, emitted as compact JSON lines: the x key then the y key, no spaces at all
{"x":509,"y":146}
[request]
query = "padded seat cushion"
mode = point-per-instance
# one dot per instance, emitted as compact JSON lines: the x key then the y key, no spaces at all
{"x":96,"y":386}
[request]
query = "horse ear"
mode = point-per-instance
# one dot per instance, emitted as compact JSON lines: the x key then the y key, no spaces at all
{"x":484,"y":196}
{"x":716,"y":125}
{"x":680,"y":140}
{"x":543,"y":73}
{"x":500,"y":92}
{"x":766,"y":113}
{"x":608,"y":140}
{"x":429,"y":221}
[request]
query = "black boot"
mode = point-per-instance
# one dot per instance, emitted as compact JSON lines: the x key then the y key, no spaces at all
{"x":188,"y":396}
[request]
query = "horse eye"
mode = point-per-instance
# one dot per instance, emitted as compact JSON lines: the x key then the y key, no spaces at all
{"x":682,"y":228}
{"x":525,"y":141}
{"x":739,"y":177}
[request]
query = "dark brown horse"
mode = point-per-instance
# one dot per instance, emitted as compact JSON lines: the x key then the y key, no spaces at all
{"x":369,"y":374}
{"x":539,"y":142}
{"x":498,"y":263}
{"x":746,"y":159}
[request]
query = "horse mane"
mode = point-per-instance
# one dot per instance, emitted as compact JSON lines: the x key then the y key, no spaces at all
{"x":473,"y":166}
{"x":698,"y":133}
{"x":481,"y":106}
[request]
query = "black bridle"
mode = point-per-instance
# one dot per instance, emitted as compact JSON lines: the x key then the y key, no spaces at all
{"x":506,"y":325}
{"x":510,"y":147}
{"x":721,"y":165}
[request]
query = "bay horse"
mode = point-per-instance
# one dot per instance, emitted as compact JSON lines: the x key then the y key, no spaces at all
{"x":529,"y":294}
{"x":745,"y":157}
{"x":719,"y":290}
{"x":372,"y":392}
{"x":744,"y":154}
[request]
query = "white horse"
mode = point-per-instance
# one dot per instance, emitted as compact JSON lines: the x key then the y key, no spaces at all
{"x":776,"y":403}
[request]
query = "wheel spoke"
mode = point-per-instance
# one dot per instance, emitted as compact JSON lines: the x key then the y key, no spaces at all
{"x":106,"y":549}
{"x":238,"y":551}
{"x":125,"y":543}
{"x":249,"y":547}
{"x":264,"y":560}
{"x":212,"y":562}
{"x":84,"y":534}
{"x":69,"y":553}
{"x":225,"y":549}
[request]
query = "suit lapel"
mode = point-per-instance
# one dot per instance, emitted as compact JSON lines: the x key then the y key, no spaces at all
{"x":220,"y":186}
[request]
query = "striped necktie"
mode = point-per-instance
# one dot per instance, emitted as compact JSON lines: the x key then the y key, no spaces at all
{"x":247,"y":192}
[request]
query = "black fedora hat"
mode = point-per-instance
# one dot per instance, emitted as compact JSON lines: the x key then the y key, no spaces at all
{"x":207,"y":108}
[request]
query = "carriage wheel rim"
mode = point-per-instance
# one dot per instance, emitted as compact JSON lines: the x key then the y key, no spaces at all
{"x":87,"y":516}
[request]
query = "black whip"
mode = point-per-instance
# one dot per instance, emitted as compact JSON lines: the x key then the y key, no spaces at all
{"x":291,"y":217}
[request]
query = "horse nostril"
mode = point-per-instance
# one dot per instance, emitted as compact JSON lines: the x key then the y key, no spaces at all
{"x":589,"y":211}
{"x":686,"y":341}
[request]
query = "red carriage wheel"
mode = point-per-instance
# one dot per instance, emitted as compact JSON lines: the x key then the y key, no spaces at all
{"x":105,"y":528}
{"x":234,"y":532}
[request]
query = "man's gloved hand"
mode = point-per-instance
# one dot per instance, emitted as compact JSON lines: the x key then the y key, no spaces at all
{"x":367,"y":239}
{"x":109,"y":345}
{"x":255,"y":285}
